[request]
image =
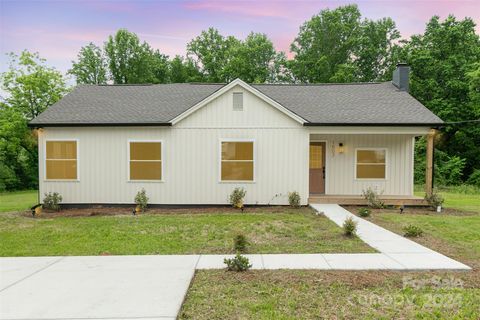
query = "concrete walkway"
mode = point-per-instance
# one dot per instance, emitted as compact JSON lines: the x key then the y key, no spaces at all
{"x":111,"y":287}
{"x":405,"y":254}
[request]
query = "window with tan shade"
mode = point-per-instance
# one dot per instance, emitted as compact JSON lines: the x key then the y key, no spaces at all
{"x":145,"y":160}
{"x":371,"y":163}
{"x":61,"y":160}
{"x":237,"y":163}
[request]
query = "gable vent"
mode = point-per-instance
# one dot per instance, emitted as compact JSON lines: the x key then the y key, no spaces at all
{"x":238,"y":101}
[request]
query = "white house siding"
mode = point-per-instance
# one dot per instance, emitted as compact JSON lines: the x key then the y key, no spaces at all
{"x":191,"y":157}
{"x":340,"y":177}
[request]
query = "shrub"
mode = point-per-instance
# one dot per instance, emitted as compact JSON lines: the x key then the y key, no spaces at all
{"x":364,"y":212}
{"x":239,"y":263}
{"x":373,"y":201}
{"x":349,"y":227}
{"x":236,"y":197}
{"x":294,"y":199}
{"x":52,"y":201}
{"x":240,"y":243}
{"x":412,"y":231}
{"x":434,"y":200}
{"x":141,"y":199}
{"x":474,"y":178}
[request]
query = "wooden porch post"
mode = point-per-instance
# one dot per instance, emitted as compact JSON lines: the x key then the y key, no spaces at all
{"x":429,"y":168}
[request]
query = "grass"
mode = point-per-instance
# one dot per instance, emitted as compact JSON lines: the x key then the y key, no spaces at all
{"x":18,"y":201}
{"x":456,"y":234}
{"x":461,"y":197}
{"x":270,"y":230}
{"x":293,"y":294}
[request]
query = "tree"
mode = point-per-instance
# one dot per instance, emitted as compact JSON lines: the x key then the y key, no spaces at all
{"x":444,"y":67}
{"x":183,"y":70}
{"x":324,"y":43}
{"x":130,"y":61}
{"x":250,"y":60}
{"x":91,"y":66}
{"x":377,"y":52}
{"x":18,"y":151}
{"x":222,"y":59}
{"x":336,"y":46}
{"x":211,"y":52}
{"x":31,"y":85}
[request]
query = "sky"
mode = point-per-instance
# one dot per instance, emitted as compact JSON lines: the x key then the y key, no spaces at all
{"x":57,"y":29}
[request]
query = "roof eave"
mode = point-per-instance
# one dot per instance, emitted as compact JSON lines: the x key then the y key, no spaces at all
{"x":104,"y":124}
{"x":338,"y":124}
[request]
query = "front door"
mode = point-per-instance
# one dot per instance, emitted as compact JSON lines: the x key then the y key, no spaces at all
{"x":317,"y":167}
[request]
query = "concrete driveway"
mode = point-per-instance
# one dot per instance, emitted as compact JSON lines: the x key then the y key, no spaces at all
{"x":110,"y":287}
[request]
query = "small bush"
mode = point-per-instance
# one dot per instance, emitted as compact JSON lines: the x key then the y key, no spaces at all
{"x":364,"y":212}
{"x":294,"y":199}
{"x":239,"y":263}
{"x":474,"y":178}
{"x":373,"y":200}
{"x":240,"y":243}
{"x":52,"y":201}
{"x":236,"y":197}
{"x":141,"y":199}
{"x":434,"y":200}
{"x":412,"y":231}
{"x":349,"y":227}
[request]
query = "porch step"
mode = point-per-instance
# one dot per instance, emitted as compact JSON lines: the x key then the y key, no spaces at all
{"x":359,"y":200}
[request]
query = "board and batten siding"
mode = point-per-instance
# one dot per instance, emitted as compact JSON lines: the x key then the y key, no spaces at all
{"x":191,"y":157}
{"x":340,"y":176}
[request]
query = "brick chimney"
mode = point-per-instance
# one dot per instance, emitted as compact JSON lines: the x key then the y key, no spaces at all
{"x":401,"y":76}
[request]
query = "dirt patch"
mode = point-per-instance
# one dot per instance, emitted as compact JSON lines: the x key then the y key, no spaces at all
{"x":114,"y":211}
{"x":413,"y":210}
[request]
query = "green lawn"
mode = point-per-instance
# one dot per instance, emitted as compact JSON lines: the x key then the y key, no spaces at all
{"x":270,"y":230}
{"x":18,"y":201}
{"x":461,"y":197}
{"x":294,"y":294}
{"x":297,"y":294}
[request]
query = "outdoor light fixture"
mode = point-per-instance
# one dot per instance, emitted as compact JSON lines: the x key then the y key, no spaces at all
{"x":340,"y":147}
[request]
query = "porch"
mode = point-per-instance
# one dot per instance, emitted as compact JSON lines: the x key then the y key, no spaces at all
{"x":359,"y":200}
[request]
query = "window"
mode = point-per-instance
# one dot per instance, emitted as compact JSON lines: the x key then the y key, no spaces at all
{"x":371,"y":163}
{"x":61,"y":160}
{"x":237,"y":161}
{"x":238,"y":101}
{"x":145,"y":160}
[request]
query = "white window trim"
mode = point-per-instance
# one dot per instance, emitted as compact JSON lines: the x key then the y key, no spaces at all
{"x":371,"y":179}
{"x":220,"y":160}
{"x":243,"y":100}
{"x":45,"y":161}
{"x":161,"y":161}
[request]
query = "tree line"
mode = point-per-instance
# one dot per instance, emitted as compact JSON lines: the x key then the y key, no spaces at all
{"x":336,"y":45}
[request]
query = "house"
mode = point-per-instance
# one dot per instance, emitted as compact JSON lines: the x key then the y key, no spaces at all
{"x":194,"y":143}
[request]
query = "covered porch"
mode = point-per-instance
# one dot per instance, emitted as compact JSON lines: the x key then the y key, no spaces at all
{"x":345,"y":161}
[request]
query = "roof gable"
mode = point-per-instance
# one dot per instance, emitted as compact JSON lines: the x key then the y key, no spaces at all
{"x":228,"y":87}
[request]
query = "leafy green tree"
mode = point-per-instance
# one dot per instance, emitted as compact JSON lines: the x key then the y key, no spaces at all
{"x":444,"y":77}
{"x":324,"y":43}
{"x":91,"y":67}
{"x":18,"y":151}
{"x":31,"y":85}
{"x":336,"y":46}
{"x":160,"y":67}
{"x":251,"y":60}
{"x":132,"y":62}
{"x":211,"y":52}
{"x":183,"y":70}
{"x":377,"y":51}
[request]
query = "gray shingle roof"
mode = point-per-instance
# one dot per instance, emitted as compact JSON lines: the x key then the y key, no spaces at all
{"x":373,"y":103}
